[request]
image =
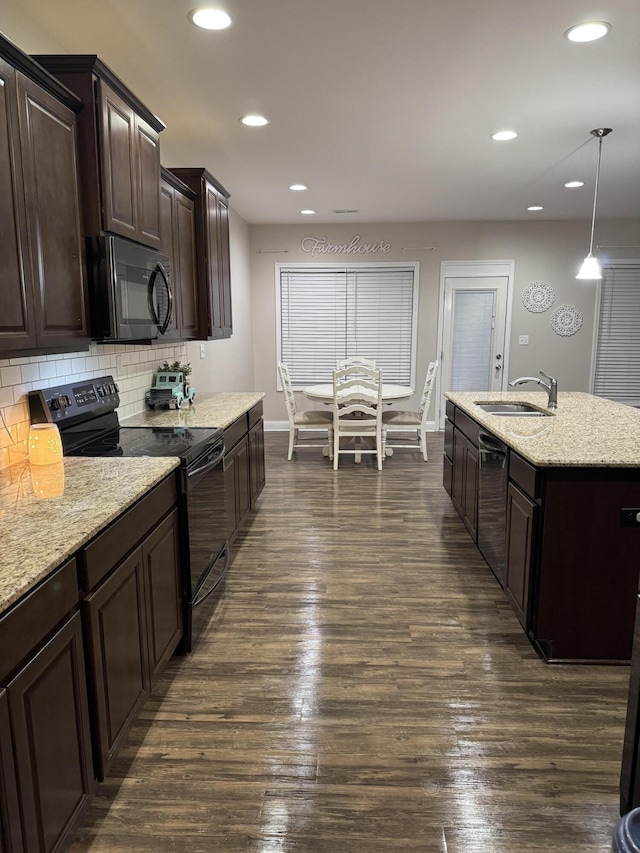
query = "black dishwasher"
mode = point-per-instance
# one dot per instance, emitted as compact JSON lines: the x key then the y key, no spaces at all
{"x":493,"y":473}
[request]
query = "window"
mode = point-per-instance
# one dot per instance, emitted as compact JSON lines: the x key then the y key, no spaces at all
{"x":326,"y":313}
{"x":616,"y":371}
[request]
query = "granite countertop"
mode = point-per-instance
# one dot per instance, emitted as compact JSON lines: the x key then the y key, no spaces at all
{"x":38,"y":534}
{"x":207,"y":410}
{"x":584,"y":431}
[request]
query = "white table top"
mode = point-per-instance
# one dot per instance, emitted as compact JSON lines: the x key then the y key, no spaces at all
{"x":390,"y":393}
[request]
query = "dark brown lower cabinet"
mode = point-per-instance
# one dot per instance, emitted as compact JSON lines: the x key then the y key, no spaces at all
{"x":134,"y":623}
{"x":521,"y":520}
{"x":244,"y":468}
{"x":47,"y":702}
{"x":256,"y":460}
{"x":464,"y":492}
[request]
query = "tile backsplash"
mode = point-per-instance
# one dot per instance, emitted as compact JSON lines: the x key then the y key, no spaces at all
{"x":131,"y":367}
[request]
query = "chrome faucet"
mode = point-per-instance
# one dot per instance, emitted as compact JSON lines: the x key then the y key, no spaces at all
{"x":551,"y":388}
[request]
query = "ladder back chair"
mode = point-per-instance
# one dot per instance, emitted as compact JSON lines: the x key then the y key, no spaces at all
{"x":355,"y":361}
{"x":298,"y":421}
{"x":413,"y":422}
{"x":357,"y":412}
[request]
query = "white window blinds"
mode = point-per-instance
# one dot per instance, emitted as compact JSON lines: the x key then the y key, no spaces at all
{"x":617,"y":360}
{"x":472,"y":340}
{"x":329,"y":313}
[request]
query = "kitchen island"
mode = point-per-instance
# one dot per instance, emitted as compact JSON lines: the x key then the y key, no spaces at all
{"x":565,"y":521}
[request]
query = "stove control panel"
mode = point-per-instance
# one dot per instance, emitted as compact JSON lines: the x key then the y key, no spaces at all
{"x":76,"y":401}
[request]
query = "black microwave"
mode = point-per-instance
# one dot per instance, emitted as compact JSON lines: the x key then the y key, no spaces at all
{"x":130,"y":295}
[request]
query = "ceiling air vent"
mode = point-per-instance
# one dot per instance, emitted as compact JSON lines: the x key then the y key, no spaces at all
{"x":346,"y":211}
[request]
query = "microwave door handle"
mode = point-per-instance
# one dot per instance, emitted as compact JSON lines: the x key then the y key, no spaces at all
{"x":150,"y":291}
{"x":160,"y":271}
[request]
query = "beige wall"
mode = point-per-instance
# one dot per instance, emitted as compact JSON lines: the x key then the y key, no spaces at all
{"x":548,"y":251}
{"x":228,"y":364}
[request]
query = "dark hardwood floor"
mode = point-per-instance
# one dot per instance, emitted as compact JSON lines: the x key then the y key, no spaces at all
{"x":364,"y":687}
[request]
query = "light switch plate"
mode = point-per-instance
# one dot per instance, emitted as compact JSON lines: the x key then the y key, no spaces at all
{"x":202,"y":351}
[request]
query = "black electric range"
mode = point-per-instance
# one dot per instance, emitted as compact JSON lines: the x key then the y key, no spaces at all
{"x":86,"y":416}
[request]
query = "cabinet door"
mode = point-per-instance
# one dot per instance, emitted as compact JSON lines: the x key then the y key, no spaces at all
{"x":47,"y":132}
{"x":224,"y":268}
{"x":213,"y":262}
{"x":119,"y":179}
{"x":50,"y":722}
{"x":147,"y":178}
{"x":457,"y":491}
{"x":185,"y":252}
{"x":17,"y":322}
{"x":163,"y":597}
{"x":256,"y":461}
{"x":470,"y":501}
{"x":10,"y":829}
{"x":237,"y":485}
{"x":118,"y":662}
{"x":521,"y":520}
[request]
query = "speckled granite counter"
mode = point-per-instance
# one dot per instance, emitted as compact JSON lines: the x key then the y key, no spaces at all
{"x":207,"y":410}
{"x":39,"y":534}
{"x":584,"y":431}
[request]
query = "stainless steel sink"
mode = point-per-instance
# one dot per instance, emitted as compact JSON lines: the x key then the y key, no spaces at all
{"x":513,"y":409}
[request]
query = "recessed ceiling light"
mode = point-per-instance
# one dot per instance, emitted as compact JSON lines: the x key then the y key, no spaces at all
{"x":254,"y":120}
{"x":571,"y":185}
{"x":535,"y":207}
{"x":504,"y":135}
{"x":209,"y":18}
{"x":307,"y":212}
{"x":297,"y":187}
{"x":589,"y":31}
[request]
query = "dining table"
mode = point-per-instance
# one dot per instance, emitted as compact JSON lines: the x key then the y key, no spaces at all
{"x":389,"y":392}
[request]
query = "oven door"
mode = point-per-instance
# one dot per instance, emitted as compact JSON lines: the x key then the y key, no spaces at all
{"x":205,"y":522}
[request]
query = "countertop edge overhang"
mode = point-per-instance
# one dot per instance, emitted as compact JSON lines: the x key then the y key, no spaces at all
{"x":585,"y":431}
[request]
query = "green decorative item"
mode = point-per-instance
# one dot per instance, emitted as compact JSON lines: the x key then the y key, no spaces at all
{"x":171,"y":386}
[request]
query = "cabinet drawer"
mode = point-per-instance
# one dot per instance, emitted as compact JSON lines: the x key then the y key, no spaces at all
{"x":235,"y":432}
{"x":27,"y":623}
{"x":255,"y":414}
{"x":468,"y":426}
{"x":524,"y":475}
{"x":109,"y":547}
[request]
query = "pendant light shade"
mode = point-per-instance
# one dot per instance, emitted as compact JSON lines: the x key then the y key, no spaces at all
{"x":590,"y":268}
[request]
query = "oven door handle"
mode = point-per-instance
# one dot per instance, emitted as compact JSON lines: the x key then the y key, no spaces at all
{"x":210,"y":464}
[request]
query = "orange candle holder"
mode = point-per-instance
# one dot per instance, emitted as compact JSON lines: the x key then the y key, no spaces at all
{"x":48,"y":480}
{"x":45,"y":445}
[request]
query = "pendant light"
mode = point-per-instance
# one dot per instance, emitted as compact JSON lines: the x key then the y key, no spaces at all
{"x":590,"y":268}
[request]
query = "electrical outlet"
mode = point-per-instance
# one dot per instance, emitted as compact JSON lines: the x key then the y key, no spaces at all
{"x":202,"y":351}
{"x":523,"y":340}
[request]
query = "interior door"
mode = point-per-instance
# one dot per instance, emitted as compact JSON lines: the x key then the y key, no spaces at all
{"x":473,"y":333}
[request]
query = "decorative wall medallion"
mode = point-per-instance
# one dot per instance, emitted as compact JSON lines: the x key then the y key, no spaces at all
{"x":538,"y":297}
{"x":566,"y":320}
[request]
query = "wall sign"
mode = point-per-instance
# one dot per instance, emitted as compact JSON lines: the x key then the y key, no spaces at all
{"x":321,"y":246}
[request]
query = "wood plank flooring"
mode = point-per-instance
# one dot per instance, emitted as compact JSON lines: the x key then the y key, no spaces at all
{"x":364,"y":687}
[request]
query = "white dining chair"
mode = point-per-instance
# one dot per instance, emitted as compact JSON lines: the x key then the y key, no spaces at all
{"x":412,"y":422}
{"x":315,"y":420}
{"x":357,"y":413}
{"x":354,"y":361}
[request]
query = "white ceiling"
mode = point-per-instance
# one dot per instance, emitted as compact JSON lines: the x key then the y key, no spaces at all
{"x":384,"y":106}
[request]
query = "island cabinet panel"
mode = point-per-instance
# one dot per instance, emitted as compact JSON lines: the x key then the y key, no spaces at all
{"x":212,"y":253}
{"x":256,"y":461}
{"x":178,"y":243}
{"x":119,"y":151}
{"x":10,"y":826}
{"x":52,"y":746}
{"x":588,"y":567}
{"x":43,"y":300}
{"x":464,"y":480}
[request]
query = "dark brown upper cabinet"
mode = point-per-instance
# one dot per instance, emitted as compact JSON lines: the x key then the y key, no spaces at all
{"x":43,"y":299}
{"x":212,"y":253}
{"x":177,"y":230}
{"x":119,"y":151}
